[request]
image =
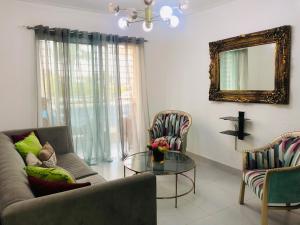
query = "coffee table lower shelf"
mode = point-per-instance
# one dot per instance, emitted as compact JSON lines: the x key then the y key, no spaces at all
{"x":177,"y":195}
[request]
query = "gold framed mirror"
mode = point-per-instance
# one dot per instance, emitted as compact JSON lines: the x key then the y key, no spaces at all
{"x":251,"y":68}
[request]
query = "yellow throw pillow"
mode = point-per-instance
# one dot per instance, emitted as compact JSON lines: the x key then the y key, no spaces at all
{"x":50,"y":174}
{"x":30,"y":144}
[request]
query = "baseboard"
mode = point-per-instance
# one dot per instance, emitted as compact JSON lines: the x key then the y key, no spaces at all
{"x":219,"y":165}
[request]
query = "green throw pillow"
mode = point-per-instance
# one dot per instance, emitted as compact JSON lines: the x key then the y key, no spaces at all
{"x":30,"y":144}
{"x":50,"y":174}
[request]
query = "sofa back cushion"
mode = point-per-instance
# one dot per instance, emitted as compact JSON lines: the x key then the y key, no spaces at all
{"x":59,"y":137}
{"x":14,"y":183}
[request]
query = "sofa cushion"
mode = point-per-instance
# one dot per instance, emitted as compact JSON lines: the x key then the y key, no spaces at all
{"x":72,"y":163}
{"x":94,"y":179}
{"x":14,"y":183}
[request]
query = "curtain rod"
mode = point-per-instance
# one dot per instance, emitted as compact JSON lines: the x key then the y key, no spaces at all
{"x":32,"y":28}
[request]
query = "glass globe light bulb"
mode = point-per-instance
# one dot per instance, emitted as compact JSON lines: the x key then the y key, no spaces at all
{"x":147,"y":28}
{"x":166,"y":12}
{"x":174,"y":21}
{"x":123,"y":23}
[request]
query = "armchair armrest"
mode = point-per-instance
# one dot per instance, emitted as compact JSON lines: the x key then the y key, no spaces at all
{"x":282,"y":185}
{"x":184,"y":132}
{"x":127,"y":201}
{"x":254,"y":150}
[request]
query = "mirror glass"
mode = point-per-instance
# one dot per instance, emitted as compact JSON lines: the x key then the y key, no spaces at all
{"x":251,"y":68}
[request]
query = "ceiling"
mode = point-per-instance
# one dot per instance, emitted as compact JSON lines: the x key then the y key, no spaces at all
{"x":101,"y":5}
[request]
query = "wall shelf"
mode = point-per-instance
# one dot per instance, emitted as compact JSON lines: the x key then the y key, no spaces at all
{"x":233,"y":133}
{"x":239,"y":121}
{"x":232,"y":118}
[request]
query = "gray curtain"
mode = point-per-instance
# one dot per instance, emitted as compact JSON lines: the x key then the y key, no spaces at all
{"x":80,"y":84}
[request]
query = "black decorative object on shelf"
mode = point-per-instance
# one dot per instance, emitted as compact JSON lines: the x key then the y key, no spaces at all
{"x":238,"y":133}
{"x":241,"y":126}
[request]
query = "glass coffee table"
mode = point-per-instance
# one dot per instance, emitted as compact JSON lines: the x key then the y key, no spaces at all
{"x":175,"y":163}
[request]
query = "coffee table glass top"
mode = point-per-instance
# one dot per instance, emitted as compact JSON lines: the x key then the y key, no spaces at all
{"x":174,"y":163}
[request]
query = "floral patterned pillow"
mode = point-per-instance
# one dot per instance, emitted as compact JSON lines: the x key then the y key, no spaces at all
{"x":47,"y":156}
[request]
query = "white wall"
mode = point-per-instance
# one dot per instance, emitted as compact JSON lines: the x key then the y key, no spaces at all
{"x":187,"y":79}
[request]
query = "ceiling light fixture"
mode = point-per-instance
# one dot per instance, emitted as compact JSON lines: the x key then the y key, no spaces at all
{"x":146,"y":16}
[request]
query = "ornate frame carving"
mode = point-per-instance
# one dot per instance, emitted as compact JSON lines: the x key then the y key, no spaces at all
{"x":280,"y":95}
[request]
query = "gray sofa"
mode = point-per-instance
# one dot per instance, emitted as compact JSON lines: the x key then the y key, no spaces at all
{"x":128,"y":201}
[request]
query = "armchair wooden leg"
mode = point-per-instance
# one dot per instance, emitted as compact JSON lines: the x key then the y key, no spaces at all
{"x":242,"y":192}
{"x":264,"y":213}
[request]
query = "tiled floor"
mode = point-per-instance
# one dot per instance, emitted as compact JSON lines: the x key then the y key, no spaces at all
{"x":215,"y":201}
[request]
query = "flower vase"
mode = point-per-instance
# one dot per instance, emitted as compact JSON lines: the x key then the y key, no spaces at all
{"x":158,"y":156}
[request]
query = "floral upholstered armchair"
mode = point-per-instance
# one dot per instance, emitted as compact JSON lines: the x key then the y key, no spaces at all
{"x":273,"y":173}
{"x":173,"y":126}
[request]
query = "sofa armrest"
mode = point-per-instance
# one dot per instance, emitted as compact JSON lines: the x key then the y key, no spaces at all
{"x":128,"y":201}
{"x":283,"y":185}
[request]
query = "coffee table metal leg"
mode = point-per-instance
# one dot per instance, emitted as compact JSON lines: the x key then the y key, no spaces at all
{"x":124,"y":171}
{"x":176,"y":190}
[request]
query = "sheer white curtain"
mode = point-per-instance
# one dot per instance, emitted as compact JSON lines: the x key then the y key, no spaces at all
{"x":96,"y":85}
{"x":234,"y":70}
{"x":135,"y":112}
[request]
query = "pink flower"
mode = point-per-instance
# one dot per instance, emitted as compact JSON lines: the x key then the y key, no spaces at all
{"x":154,"y":145}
